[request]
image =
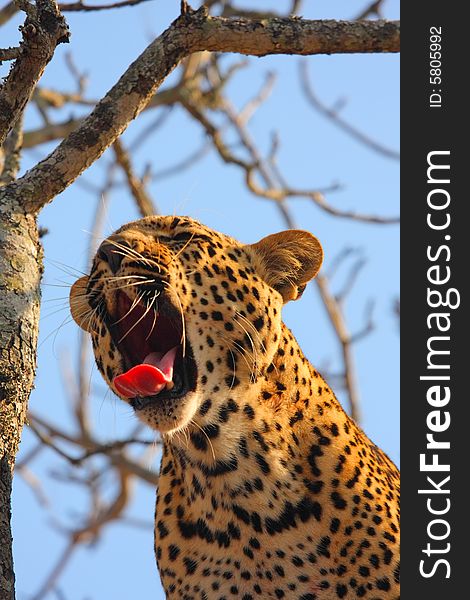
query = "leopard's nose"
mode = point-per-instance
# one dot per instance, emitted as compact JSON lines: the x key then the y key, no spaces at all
{"x":113,"y":251}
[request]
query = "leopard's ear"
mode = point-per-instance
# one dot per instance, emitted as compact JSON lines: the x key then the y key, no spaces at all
{"x":79,"y":306}
{"x":288,"y":260}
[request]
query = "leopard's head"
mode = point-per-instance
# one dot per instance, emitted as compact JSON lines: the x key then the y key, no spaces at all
{"x":179,"y":314}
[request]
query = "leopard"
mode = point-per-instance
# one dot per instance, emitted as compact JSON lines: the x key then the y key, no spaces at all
{"x":267,"y":488}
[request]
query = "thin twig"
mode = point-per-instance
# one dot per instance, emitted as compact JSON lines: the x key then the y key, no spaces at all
{"x":252,"y":105}
{"x":339,"y":325}
{"x":55,"y":99}
{"x":150,"y":129}
{"x":258,"y":166}
{"x":49,"y":133}
{"x":338,"y":260}
{"x":351,"y":280}
{"x":30,"y":455}
{"x":369,"y":324}
{"x":185,"y":163}
{"x":81,"y":79}
{"x":142,"y":199}
{"x":34,"y":483}
{"x":82,"y":7}
{"x":57,"y":570}
{"x":333,"y":115}
{"x":48,"y":441}
{"x":296,"y":5}
{"x":372,"y":9}
{"x":9,"y":53}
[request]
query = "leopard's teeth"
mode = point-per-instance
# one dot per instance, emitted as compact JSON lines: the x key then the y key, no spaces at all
{"x":170,"y":385}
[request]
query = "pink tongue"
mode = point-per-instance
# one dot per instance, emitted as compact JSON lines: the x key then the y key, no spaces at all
{"x":148,"y":378}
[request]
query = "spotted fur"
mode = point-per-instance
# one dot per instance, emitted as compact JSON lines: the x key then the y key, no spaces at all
{"x":267,"y":488}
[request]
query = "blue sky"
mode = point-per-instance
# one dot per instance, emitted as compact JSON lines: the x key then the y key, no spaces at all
{"x":313,"y":153}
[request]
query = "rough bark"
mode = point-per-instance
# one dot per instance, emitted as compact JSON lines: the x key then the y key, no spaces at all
{"x":20,"y":261}
{"x":20,"y":271}
{"x":297,"y":36}
{"x":43,"y":29}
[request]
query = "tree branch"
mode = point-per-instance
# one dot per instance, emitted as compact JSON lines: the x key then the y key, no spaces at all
{"x":11,"y":152}
{"x":48,"y":133}
{"x":373,"y":9}
{"x":192,"y":32}
{"x":7,"y":12}
{"x":339,"y":325}
{"x":298,"y":36}
{"x":333,"y":115}
{"x":43,"y":29}
{"x":10,"y":9}
{"x":9,"y":53}
{"x":143,"y":200}
{"x":82,"y":7}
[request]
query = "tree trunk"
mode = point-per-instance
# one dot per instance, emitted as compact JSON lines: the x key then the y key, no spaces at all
{"x":20,"y":273}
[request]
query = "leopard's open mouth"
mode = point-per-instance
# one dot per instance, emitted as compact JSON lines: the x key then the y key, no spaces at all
{"x":157,"y":359}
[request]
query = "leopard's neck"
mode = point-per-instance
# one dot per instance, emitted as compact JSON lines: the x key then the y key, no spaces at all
{"x":263,"y":439}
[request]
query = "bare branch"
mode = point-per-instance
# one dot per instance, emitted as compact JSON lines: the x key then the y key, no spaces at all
{"x":47,"y":433}
{"x":337,"y":260}
{"x":256,"y":165}
{"x":183,"y":164}
{"x":339,"y":324}
{"x":112,"y":447}
{"x":55,"y":131}
{"x":12,"y":153}
{"x":298,"y":36}
{"x":82,"y":7}
{"x":49,"y":133}
{"x":193,"y":32}
{"x":10,"y":9}
{"x":30,"y":456}
{"x":351,"y":280}
{"x":373,"y":9}
{"x":7,"y":12}
{"x":55,"y":99}
{"x":252,"y":105}
{"x":81,"y":384}
{"x":143,"y":200}
{"x":41,"y":35}
{"x":214,"y":133}
{"x":319,"y":199}
{"x":369,"y":324}
{"x":296,"y":4}
{"x":57,"y":570}
{"x":150,"y":129}
{"x":34,"y":483}
{"x":9,"y":53}
{"x":48,"y":440}
{"x":333,"y":115}
{"x":80,"y":78}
